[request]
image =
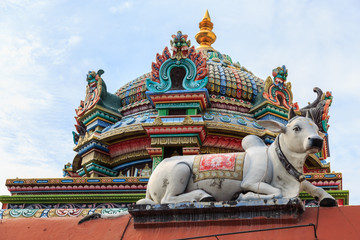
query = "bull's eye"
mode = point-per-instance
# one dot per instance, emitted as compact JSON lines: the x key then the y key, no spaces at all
{"x":297,"y":128}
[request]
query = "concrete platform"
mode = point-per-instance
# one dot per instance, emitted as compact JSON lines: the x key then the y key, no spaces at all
{"x":275,"y":210}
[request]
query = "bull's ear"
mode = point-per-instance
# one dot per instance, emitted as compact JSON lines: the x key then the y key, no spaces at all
{"x":273,"y":126}
{"x":292,"y":113}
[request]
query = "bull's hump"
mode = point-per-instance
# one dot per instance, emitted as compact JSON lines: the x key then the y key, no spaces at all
{"x":252,"y":141}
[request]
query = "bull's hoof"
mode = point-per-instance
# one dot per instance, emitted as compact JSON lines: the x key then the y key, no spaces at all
{"x":90,"y":217}
{"x":208,"y":199}
{"x":235,"y":196}
{"x":328,"y":202}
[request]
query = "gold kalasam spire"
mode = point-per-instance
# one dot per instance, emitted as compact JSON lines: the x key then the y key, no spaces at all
{"x":205,"y":37}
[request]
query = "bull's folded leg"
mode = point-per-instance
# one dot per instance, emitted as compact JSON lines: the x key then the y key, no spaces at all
{"x":259,"y":190}
{"x":194,"y":196}
{"x":177,"y":184}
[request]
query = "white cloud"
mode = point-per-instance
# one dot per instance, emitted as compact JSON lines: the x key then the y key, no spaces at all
{"x":121,"y":7}
{"x":74,"y":40}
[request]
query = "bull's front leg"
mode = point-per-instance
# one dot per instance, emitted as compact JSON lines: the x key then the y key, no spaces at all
{"x":326,"y":200}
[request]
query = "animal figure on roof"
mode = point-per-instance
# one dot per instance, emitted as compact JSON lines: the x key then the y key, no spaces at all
{"x":259,"y":172}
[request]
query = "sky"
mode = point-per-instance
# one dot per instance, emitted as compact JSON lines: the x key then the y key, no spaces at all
{"x":47,"y":48}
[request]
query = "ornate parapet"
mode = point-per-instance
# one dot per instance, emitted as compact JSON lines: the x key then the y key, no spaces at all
{"x":76,"y":185}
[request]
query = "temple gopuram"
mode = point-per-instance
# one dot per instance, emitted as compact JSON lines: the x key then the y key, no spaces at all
{"x":195,"y":100}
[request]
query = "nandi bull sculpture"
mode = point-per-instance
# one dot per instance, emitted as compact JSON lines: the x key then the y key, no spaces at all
{"x":259,"y":172}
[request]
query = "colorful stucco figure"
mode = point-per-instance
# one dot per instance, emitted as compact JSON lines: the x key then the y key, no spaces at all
{"x":179,"y":45}
{"x":280,"y":74}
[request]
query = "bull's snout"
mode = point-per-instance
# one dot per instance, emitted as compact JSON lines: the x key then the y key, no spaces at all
{"x":316,"y":142}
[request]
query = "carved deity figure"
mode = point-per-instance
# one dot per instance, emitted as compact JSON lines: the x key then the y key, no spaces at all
{"x":280,"y":74}
{"x":146,"y":171}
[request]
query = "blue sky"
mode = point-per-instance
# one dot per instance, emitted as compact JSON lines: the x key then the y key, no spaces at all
{"x":47,"y":47}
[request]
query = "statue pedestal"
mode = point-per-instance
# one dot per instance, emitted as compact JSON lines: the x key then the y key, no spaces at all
{"x":233,"y":212}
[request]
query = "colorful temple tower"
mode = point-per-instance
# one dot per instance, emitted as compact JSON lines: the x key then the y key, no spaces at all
{"x":194,"y":101}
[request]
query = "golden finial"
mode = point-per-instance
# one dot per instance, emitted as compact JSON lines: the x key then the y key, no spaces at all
{"x":207,"y":15}
{"x":205,"y":37}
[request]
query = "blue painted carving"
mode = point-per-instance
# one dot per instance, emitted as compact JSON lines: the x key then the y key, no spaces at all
{"x":24,"y":212}
{"x":189,"y":82}
{"x":45,"y":213}
{"x":241,"y":121}
{"x":208,"y":116}
{"x":225,"y":119}
{"x":130,"y":120}
{"x":118,"y":124}
{"x":144,"y":118}
{"x":256,"y":125}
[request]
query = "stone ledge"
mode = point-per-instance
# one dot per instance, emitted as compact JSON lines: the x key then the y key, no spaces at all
{"x":273,"y":210}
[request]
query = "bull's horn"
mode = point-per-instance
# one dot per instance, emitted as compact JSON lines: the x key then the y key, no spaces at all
{"x":308,"y":115}
{"x":291,"y":113}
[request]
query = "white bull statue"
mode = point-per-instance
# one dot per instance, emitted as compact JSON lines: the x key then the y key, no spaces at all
{"x":261,"y":171}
